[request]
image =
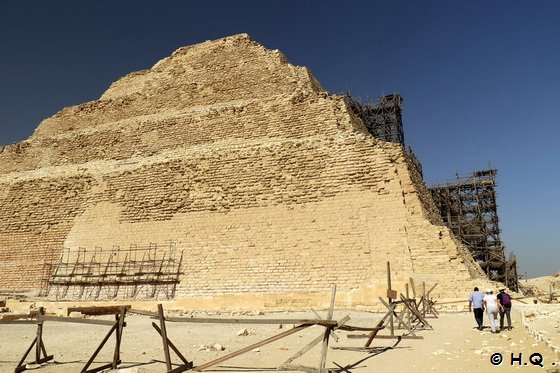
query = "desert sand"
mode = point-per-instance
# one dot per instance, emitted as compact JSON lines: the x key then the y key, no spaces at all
{"x":454,"y":345}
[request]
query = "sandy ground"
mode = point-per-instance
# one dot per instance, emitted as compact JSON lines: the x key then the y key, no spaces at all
{"x":452,"y":346}
{"x":542,"y":285}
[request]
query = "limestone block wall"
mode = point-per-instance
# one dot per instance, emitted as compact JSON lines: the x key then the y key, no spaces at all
{"x":36,"y":215}
{"x":272,"y":187}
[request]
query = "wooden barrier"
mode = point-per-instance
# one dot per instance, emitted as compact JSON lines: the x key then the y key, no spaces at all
{"x":41,"y":355}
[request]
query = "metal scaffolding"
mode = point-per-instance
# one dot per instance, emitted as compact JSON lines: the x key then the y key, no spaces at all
{"x":468,"y":207}
{"x":149,"y":272}
{"x":383,"y":120}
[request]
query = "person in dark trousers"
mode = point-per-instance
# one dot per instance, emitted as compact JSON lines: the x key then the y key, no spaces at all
{"x":475,"y":304}
{"x":505,"y":300}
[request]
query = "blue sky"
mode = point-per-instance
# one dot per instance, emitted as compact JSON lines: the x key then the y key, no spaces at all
{"x":479,"y":78}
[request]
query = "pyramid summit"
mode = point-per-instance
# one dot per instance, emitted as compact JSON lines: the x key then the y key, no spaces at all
{"x":235,"y":174}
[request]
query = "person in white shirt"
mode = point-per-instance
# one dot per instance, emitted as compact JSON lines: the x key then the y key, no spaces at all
{"x":491,"y":305}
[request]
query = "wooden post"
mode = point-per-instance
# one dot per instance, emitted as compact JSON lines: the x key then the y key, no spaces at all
{"x":389,"y":298}
{"x":408,"y":311}
{"x":164,"y":337}
{"x":423,"y":298}
{"x":118,"y":337}
{"x":328,"y":329}
{"x":39,"y":337}
{"x":413,"y":288}
{"x":188,"y":364}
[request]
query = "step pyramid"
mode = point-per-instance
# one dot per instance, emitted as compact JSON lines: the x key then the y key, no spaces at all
{"x":270,"y":185}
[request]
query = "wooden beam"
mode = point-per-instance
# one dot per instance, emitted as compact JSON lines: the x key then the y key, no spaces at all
{"x":378,"y":327}
{"x":310,"y":345}
{"x":412,"y":287}
{"x":19,"y":322}
{"x":389,"y":292}
{"x":157,"y":328}
{"x":325,"y":346}
{"x":164,"y":337}
{"x":398,"y":317}
{"x":251,"y":347}
{"x":75,"y":321}
{"x":98,"y":349}
{"x":118,"y":337}
{"x":209,"y":320}
{"x":97,"y":310}
{"x":379,"y":336}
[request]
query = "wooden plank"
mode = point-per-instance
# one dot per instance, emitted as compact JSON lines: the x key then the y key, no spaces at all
{"x":118,"y":336}
{"x":431,"y":289}
{"x":164,"y":336}
{"x":412,"y":287}
{"x":76,"y":321}
{"x":21,"y":363}
{"x":100,"y":368}
{"x":311,"y":344}
{"x":96,"y":352}
{"x":380,"y":336}
{"x":350,"y":328}
{"x":299,"y":368}
{"x":157,"y":328}
{"x":378,"y":327}
{"x":251,"y":347}
{"x":360,"y":349}
{"x":182,"y":368}
{"x":12,"y":317}
{"x":19,"y":322}
{"x":39,"y":337}
{"x":209,"y":320}
{"x":389,"y":290}
{"x":418,"y":315}
{"x":398,"y":317}
{"x":97,"y":310}
{"x":325,"y":346}
{"x":415,"y":312}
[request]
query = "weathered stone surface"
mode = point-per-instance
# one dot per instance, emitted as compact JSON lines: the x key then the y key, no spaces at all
{"x":271,"y":185}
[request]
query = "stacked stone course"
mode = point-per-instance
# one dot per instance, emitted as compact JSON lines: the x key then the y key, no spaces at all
{"x":271,"y":185}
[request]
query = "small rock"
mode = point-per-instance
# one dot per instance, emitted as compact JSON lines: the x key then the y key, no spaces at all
{"x":76,"y":315}
{"x":256,"y":349}
{"x":218,"y":347}
{"x":243,"y":332}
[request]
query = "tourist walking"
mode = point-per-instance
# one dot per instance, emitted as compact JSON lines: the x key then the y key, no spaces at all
{"x":475,"y":304}
{"x":505,"y":300}
{"x":492,"y":306}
